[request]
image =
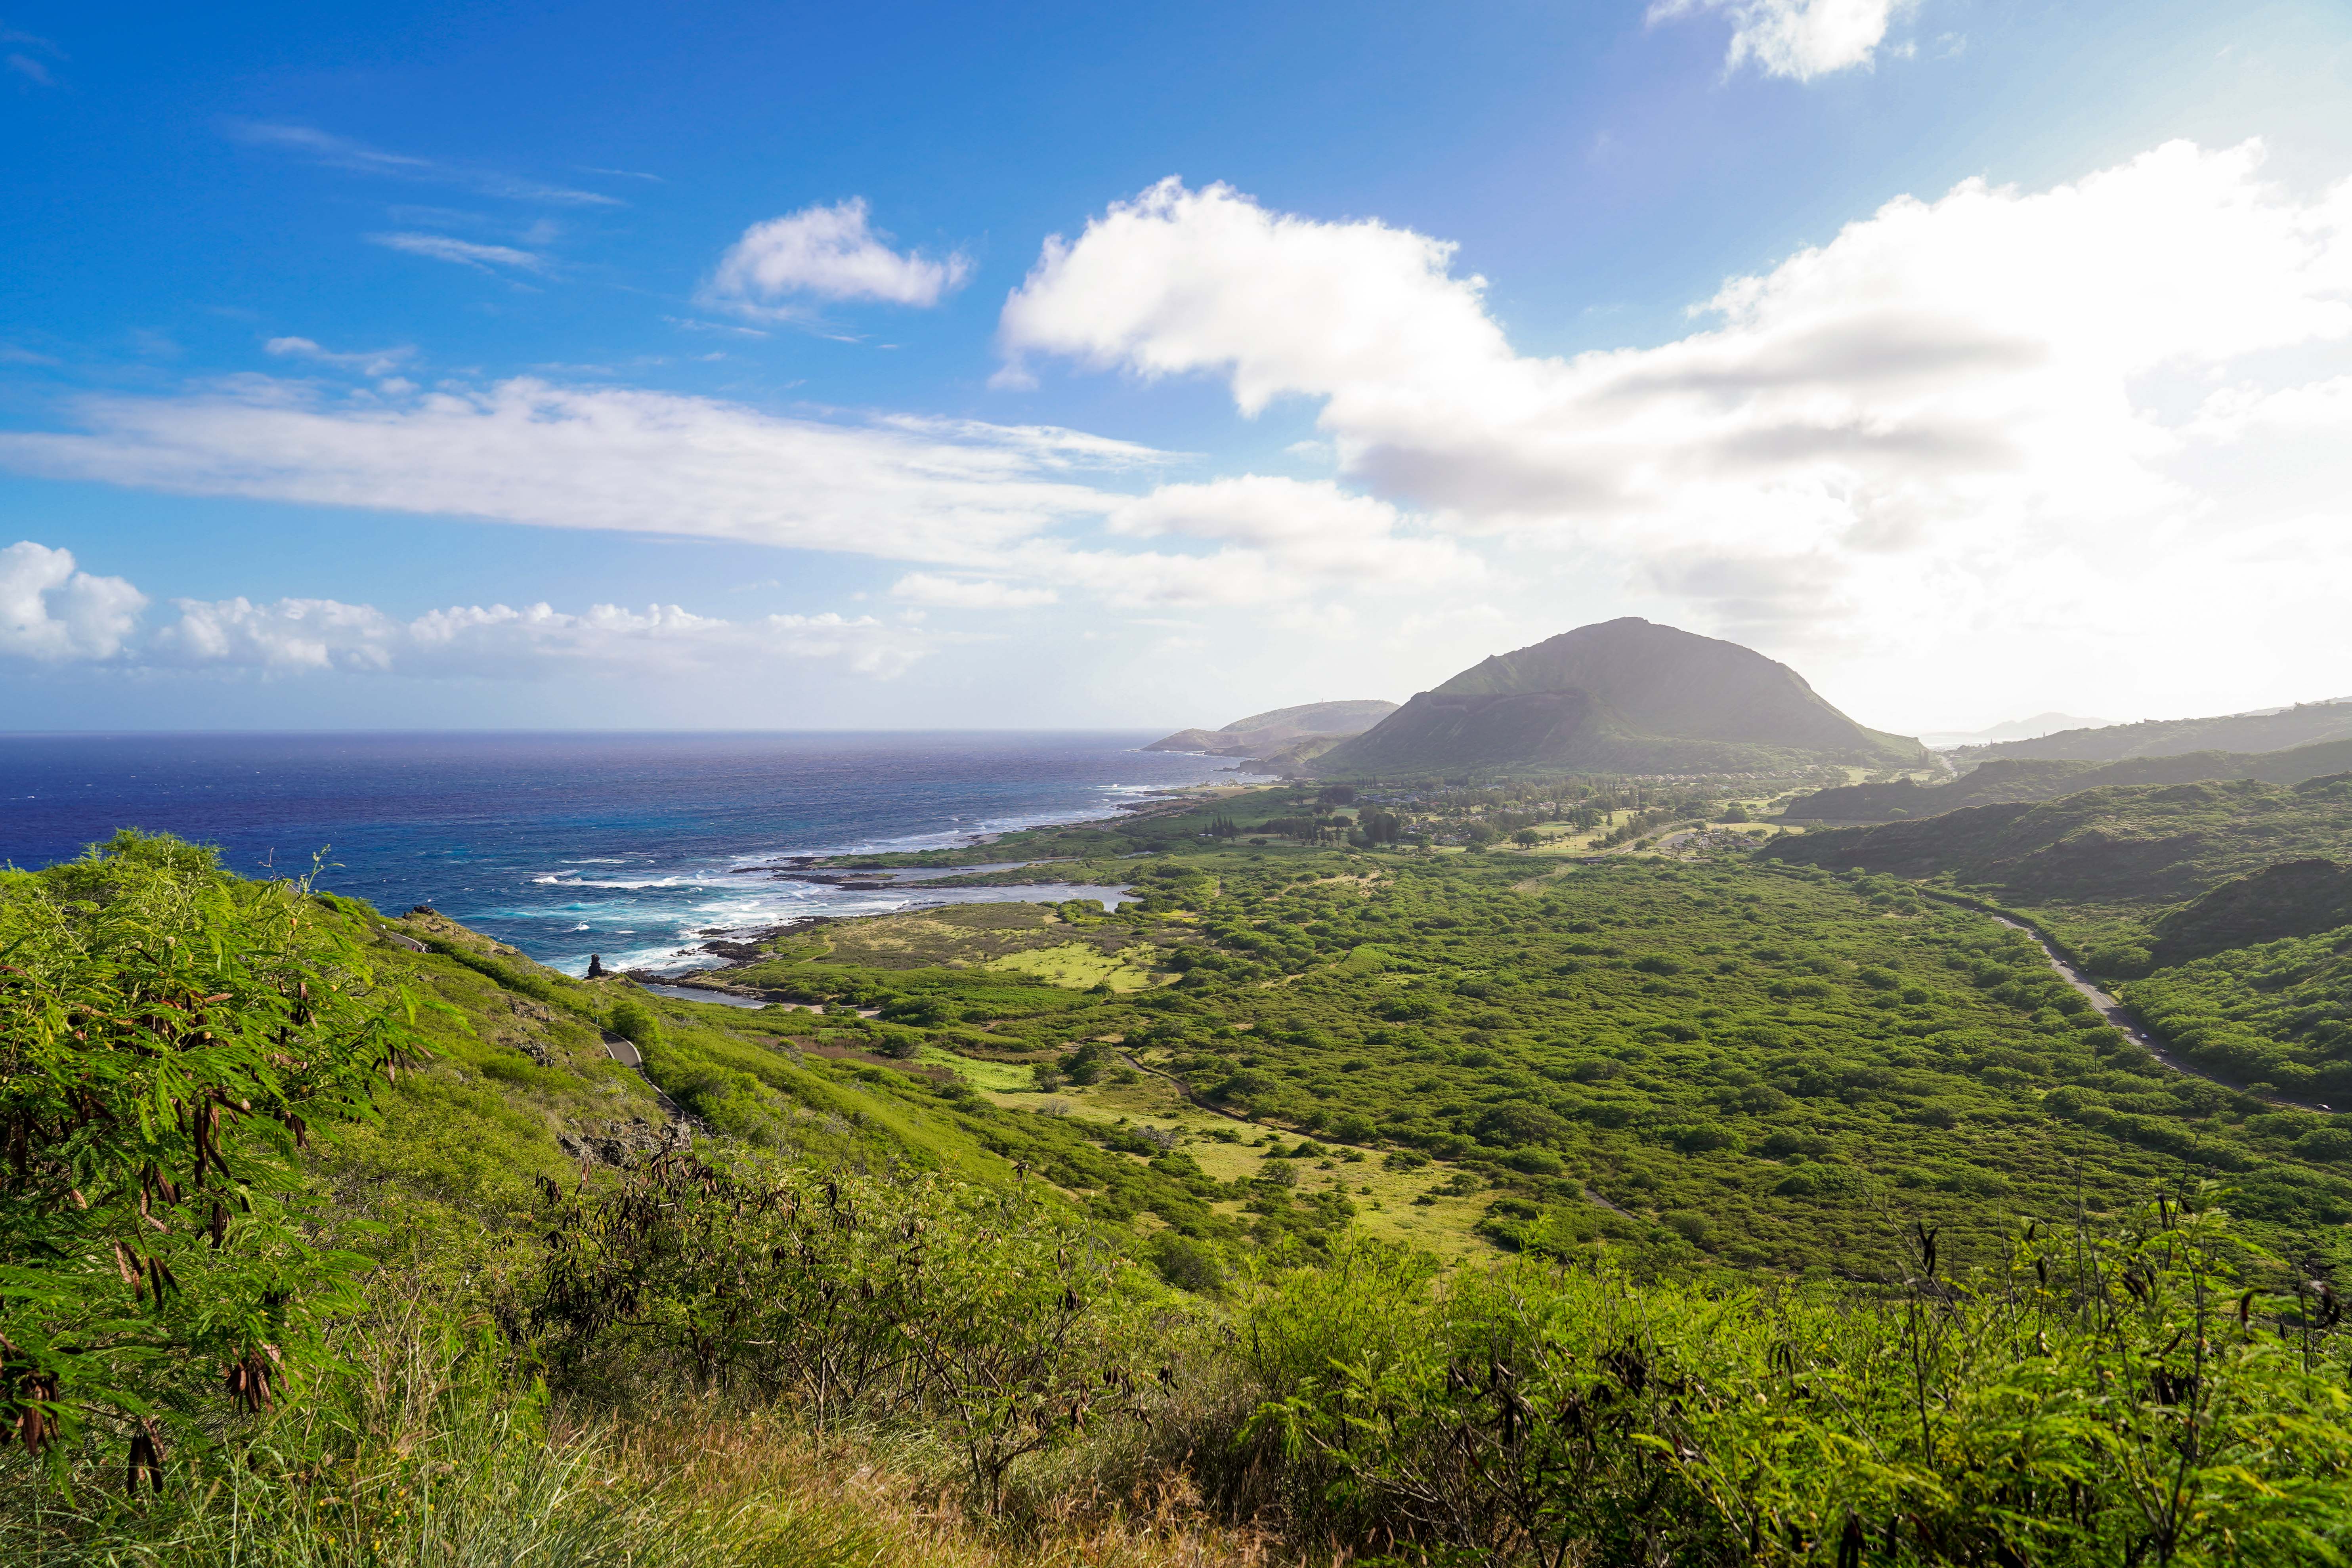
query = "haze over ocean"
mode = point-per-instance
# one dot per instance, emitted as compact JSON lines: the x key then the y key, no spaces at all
{"x":564,"y":844}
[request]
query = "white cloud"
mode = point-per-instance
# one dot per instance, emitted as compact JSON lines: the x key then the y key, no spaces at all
{"x":369,"y":362}
{"x":342,"y":152}
{"x":1799,"y":39}
{"x":968,"y":593}
{"x":993,"y":500}
{"x":527,"y":451}
{"x":830,"y":253}
{"x":1986,"y":411}
{"x":31,"y":69}
{"x":50,"y":612}
{"x":497,"y":642}
{"x":1302,"y":532}
{"x":463,"y":252}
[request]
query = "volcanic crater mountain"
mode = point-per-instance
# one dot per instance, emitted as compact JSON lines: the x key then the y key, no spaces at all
{"x":1622,"y":696}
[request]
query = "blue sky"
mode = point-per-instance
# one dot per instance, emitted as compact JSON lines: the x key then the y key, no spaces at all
{"x":334,"y":347}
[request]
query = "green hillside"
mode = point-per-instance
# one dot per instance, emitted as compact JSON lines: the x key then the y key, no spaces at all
{"x":2289,"y":899}
{"x":1624,"y":696}
{"x":1054,"y":1234}
{"x":2304,"y":724}
{"x":2008,"y":780}
{"x":2144,"y":845}
{"x":2217,"y":905}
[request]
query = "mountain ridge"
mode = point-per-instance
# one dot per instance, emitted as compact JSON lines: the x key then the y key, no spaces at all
{"x":2303,"y":724}
{"x":1280,"y":727}
{"x":2017,"y":780}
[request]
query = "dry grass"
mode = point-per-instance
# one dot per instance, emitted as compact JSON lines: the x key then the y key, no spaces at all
{"x":429,"y":1451}
{"x":770,"y":1479}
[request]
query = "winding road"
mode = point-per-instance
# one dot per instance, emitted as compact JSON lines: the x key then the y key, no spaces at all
{"x":2114,"y":1013}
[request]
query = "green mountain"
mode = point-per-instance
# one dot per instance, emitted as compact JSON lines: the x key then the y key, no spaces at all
{"x":2008,"y":780}
{"x":1282,"y":727}
{"x":1624,"y":696}
{"x":2304,"y":724}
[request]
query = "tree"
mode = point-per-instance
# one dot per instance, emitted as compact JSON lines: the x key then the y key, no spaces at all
{"x":1526,"y":839}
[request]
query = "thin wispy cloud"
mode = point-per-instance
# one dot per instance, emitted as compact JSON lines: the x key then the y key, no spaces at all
{"x":463,"y":252}
{"x":342,"y":152}
{"x":975,"y":499}
{"x":26,"y":56}
{"x":369,"y":362}
{"x":936,"y":592}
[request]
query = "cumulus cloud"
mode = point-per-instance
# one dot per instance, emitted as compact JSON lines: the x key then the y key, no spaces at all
{"x":51,"y":612}
{"x":54,"y":614}
{"x":1942,"y":393}
{"x":828,"y":252}
{"x":1799,"y":39}
{"x":463,"y":252}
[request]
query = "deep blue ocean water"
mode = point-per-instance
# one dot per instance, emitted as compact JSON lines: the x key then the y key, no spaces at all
{"x":565,"y":845}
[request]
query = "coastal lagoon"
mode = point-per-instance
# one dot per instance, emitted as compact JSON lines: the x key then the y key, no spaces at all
{"x":636,"y":847}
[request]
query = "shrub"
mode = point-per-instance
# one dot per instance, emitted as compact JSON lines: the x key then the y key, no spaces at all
{"x":169,"y":1037}
{"x":1186,"y":1264}
{"x":634,"y":1021}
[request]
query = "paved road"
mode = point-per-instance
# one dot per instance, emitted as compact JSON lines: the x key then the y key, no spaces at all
{"x":2112,"y":1011}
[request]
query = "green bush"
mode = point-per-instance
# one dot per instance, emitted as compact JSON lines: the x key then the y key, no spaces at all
{"x":636,"y":1023}
{"x":170,"y":1037}
{"x":2128,"y":1400}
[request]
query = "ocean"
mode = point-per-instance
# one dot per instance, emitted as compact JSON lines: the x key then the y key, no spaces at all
{"x":627,"y":846}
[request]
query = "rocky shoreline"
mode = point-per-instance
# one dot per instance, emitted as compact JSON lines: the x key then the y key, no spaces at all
{"x":742,"y":950}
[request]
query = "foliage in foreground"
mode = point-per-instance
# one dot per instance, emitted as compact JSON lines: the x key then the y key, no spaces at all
{"x":2098,"y":1398}
{"x":1001,"y":1321}
{"x":168,"y":1038}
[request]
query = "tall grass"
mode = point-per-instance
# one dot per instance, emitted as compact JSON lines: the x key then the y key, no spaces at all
{"x":431,"y":1445}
